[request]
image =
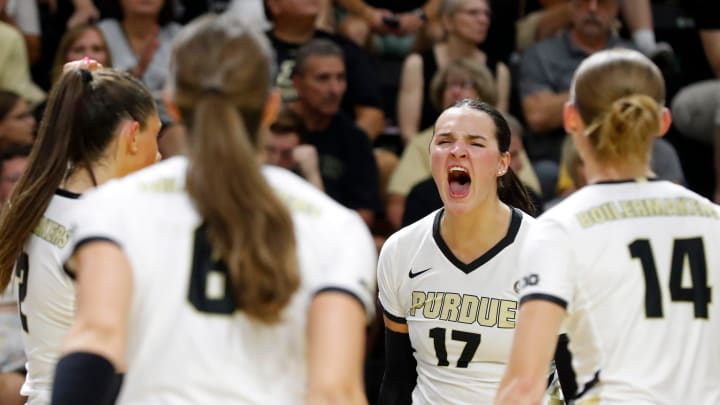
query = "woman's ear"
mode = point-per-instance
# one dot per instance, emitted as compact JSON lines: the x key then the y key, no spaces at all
{"x":129,"y":136}
{"x":666,"y":121}
{"x":572,"y":122}
{"x":503,"y":164}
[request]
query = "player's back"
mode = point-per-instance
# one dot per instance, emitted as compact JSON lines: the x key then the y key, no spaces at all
{"x":46,"y":295}
{"x":187,"y":343}
{"x":645,"y":274}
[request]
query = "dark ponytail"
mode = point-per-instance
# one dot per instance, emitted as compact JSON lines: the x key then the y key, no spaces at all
{"x":83,"y":112}
{"x":513,"y":192}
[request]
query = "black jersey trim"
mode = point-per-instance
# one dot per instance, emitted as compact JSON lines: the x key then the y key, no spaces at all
{"x":623,"y":181}
{"x":85,"y":241}
{"x":392,"y":317}
{"x":343,"y":291}
{"x":588,"y":385}
{"x":544,"y":297}
{"x":467,"y":268}
{"x":67,"y":194}
{"x":68,"y":272}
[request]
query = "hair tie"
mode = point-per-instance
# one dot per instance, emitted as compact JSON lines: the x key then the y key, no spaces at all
{"x":212,"y":90}
{"x":86,"y":76}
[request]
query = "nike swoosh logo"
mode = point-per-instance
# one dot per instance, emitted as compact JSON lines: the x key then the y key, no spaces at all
{"x":413,"y":275}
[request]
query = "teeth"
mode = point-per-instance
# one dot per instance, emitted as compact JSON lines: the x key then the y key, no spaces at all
{"x":458,"y":169}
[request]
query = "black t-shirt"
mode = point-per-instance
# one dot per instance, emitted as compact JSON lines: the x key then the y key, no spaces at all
{"x":362,"y":89}
{"x":396,"y":6}
{"x":347,"y":164}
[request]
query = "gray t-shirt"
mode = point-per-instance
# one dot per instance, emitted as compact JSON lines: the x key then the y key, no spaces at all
{"x":549,"y":65}
{"x":124,"y":58}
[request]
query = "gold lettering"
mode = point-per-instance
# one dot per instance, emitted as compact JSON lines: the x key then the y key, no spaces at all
{"x":654,"y":207}
{"x":507,"y":314}
{"x":627,"y":209}
{"x":418,"y":300}
{"x":584,"y":219}
{"x":488,"y":313}
{"x":451,"y":307}
{"x":598,"y":215}
{"x":433,"y":310}
{"x":681,"y":208}
{"x":639,"y":208}
{"x":469,"y":309}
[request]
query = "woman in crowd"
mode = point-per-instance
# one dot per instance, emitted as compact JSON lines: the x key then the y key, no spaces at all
{"x":466,"y":23}
{"x":97,"y":126}
{"x":263,"y":282}
{"x":627,"y":264}
{"x":17,"y":124}
{"x":447,"y":281}
{"x":81,"y":41}
{"x":140,"y":38}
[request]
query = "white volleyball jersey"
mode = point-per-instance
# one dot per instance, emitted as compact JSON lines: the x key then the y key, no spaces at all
{"x":46,"y":295}
{"x":187,"y":343}
{"x":637,"y":267}
{"x":461,"y":317}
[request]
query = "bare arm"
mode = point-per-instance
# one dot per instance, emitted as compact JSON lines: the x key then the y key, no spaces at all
{"x":104,"y":288}
{"x":543,"y":110}
{"x":371,"y":120}
{"x":532,"y":351}
{"x":637,"y":13}
{"x":711,"y":44}
{"x":307,"y":159}
{"x":336,"y":342}
{"x":410,"y":98}
{"x":85,"y":12}
{"x":553,"y":20}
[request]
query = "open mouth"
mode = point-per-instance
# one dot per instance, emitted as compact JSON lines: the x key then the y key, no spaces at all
{"x":459,"y":181}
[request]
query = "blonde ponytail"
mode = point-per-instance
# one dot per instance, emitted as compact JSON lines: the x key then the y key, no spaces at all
{"x":627,"y":128}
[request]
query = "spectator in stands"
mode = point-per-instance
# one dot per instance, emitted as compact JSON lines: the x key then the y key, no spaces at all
{"x":14,"y":66}
{"x":389,"y":27}
{"x":545,"y":74}
{"x":80,"y":41}
{"x":17,"y":123}
{"x":13,"y":160}
{"x":555,"y":16}
{"x":696,"y":107}
{"x":293,"y":26}
{"x":284,"y":148}
{"x":466,"y":23}
{"x":23,"y":14}
{"x":347,"y":165}
{"x":140,"y":40}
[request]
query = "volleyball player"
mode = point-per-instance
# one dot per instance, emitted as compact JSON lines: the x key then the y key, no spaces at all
{"x":210,"y":279}
{"x":628,"y":263}
{"x":98,"y":125}
{"x":446,"y":282}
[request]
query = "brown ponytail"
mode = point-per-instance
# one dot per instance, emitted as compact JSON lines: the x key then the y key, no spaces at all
{"x":83,"y":112}
{"x":222,"y":94}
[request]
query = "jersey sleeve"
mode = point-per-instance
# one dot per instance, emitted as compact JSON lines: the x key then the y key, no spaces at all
{"x":96,"y":218}
{"x":387,"y":284}
{"x":546,"y":265}
{"x":354,"y":256}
